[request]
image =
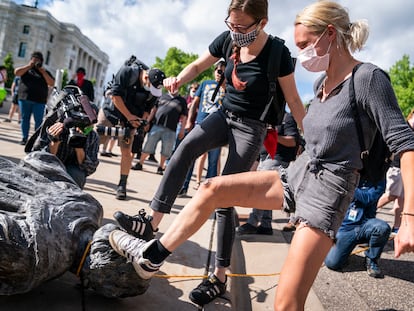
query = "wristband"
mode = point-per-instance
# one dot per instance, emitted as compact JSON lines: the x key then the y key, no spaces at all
{"x":407,"y":214}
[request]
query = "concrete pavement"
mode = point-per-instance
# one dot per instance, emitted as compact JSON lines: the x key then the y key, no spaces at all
{"x":255,"y":264}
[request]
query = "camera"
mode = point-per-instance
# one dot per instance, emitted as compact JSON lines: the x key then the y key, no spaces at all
{"x":38,"y":64}
{"x":71,"y":107}
{"x":112,"y":131}
{"x":118,"y":131}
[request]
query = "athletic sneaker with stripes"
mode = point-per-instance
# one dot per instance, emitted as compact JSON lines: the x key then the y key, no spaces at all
{"x":133,"y":249}
{"x":139,"y":225}
{"x":208,"y":290}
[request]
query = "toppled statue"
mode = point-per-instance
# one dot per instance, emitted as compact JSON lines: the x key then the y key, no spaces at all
{"x":49,"y":226}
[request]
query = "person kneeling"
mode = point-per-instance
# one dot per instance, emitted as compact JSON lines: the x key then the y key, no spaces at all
{"x":360,"y":226}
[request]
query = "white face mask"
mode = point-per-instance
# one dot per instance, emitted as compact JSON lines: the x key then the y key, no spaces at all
{"x":310,"y":59}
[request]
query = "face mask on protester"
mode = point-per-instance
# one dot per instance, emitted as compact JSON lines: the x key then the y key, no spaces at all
{"x":310,"y":59}
{"x":244,"y":39}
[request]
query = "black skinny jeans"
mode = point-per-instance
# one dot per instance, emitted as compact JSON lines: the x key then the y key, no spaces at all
{"x":244,"y":137}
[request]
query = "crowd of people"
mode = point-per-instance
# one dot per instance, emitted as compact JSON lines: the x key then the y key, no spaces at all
{"x":228,"y":111}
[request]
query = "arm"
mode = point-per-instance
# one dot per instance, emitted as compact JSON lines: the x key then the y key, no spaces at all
{"x":288,"y":141}
{"x":191,"y":71}
{"x":288,"y":85}
{"x":369,"y":195}
{"x":89,"y":154}
{"x":404,"y":241}
{"x":192,"y":113}
{"x":120,"y":105}
{"x":49,"y":80}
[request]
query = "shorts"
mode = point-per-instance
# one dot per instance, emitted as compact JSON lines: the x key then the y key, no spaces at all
{"x":394,"y":185}
{"x":163,"y":134}
{"x":320,"y":196}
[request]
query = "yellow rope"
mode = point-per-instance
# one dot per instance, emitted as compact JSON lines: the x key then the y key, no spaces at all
{"x":85,"y":253}
{"x":244,"y":275}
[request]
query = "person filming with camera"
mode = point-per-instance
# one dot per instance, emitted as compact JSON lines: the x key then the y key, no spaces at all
{"x":77,"y":148}
{"x":33,"y":92}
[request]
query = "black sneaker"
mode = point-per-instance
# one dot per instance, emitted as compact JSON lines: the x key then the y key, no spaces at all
{"x":246,"y":229}
{"x":182,"y":193}
{"x":23,"y":142}
{"x":160,"y":170}
{"x":139,"y":225}
{"x":121,"y":192}
{"x":264,"y":230}
{"x":152,"y":158}
{"x":137,"y":167}
{"x":106,"y":154}
{"x":208,"y":290}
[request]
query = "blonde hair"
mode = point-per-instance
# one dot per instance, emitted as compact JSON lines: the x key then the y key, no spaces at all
{"x":319,"y":15}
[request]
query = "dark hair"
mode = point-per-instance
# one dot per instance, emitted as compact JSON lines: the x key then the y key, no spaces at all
{"x":81,"y":69}
{"x":254,"y":8}
{"x":38,"y":55}
{"x":258,"y":10}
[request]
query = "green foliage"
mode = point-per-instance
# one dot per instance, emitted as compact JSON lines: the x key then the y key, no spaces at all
{"x":175,"y":61}
{"x":9,"y":64}
{"x":402,"y":80}
{"x":65,"y":78}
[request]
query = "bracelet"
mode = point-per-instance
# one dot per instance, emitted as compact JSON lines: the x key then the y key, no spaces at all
{"x":407,"y":214}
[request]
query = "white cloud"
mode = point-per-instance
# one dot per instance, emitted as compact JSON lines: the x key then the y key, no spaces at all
{"x":149,"y":28}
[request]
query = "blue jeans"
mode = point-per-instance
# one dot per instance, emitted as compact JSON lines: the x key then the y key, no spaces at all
{"x":374,"y":231}
{"x":27,"y":108}
{"x":244,"y":137}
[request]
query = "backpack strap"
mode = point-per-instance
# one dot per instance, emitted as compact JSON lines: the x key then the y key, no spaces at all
{"x":352,"y":97}
{"x":273,"y":67}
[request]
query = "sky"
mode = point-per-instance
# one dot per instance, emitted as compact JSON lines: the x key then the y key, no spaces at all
{"x":148,"y":29}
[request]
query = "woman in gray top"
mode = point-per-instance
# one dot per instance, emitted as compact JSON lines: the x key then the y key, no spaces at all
{"x":321,"y":182}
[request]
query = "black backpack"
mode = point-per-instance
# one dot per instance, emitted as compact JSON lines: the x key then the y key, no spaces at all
{"x":275,"y":108}
{"x":377,"y":159}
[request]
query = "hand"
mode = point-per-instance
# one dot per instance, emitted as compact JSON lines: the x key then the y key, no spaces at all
{"x":404,"y":240}
{"x":172,"y":84}
{"x":134,"y":121}
{"x":56,"y":129}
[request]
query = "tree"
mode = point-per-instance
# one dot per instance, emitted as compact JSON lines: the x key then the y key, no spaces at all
{"x":402,"y":80}
{"x":175,"y":61}
{"x":8,"y":63}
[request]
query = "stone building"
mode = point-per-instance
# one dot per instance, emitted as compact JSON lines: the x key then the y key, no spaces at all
{"x":24,"y":29}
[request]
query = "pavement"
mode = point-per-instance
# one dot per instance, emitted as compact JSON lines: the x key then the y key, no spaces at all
{"x":254,"y":270}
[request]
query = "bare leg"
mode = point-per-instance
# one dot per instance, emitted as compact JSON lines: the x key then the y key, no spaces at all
{"x":308,"y":249}
{"x":261,"y":189}
{"x":200,"y":166}
{"x":126,"y":159}
{"x":397,"y":208}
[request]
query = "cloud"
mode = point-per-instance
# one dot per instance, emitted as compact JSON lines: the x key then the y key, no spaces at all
{"x":149,"y":28}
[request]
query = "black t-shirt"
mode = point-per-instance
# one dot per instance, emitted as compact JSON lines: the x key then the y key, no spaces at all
{"x":169,"y":110}
{"x":252,"y":100}
{"x":126,"y":84}
{"x":33,"y":86}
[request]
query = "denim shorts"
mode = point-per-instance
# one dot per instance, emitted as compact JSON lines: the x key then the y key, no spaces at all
{"x":321,"y":197}
{"x":163,"y":134}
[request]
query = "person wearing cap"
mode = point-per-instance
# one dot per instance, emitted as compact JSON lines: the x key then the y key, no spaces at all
{"x":134,"y":89}
{"x":168,"y":111}
{"x":33,"y":92}
{"x":84,"y":84}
